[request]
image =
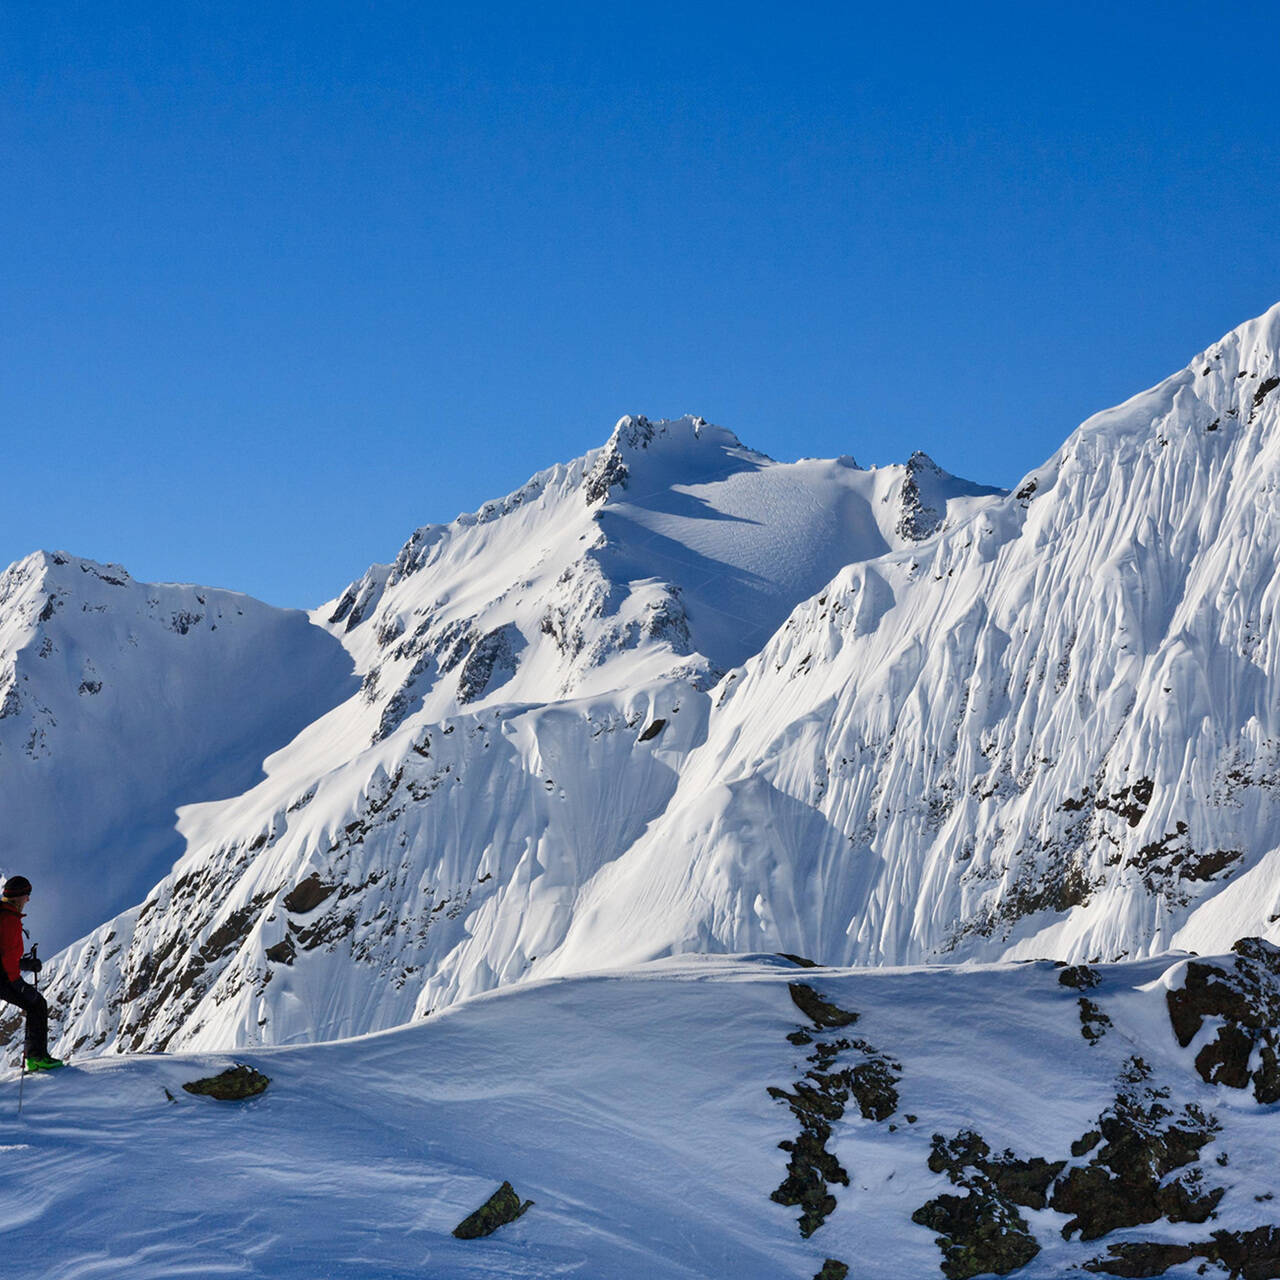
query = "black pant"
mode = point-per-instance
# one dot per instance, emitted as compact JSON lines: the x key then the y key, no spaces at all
{"x":32,"y":1003}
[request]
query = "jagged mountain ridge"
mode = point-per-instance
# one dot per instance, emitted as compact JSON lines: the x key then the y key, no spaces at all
{"x":532,"y":677}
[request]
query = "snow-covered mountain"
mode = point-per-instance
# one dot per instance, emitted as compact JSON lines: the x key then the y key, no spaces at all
{"x":119,"y":701}
{"x":700,"y":1118}
{"x":676,"y":697}
{"x":1052,"y":730}
{"x":533,"y":677}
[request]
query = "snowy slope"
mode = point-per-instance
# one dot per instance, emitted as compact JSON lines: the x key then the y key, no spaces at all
{"x":533,"y":677}
{"x":1053,"y":730}
{"x":642,"y":1112}
{"x":121,"y":700}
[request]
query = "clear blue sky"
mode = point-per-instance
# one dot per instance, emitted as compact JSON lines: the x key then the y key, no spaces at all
{"x":281,"y":282}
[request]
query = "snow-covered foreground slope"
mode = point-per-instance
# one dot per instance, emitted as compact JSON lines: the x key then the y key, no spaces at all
{"x":120,"y":701}
{"x":642,"y":1112}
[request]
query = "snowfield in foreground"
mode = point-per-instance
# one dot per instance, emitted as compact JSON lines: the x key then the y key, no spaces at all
{"x":642,"y":1112}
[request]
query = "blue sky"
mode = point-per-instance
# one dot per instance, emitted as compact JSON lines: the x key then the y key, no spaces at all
{"x":281,"y":282}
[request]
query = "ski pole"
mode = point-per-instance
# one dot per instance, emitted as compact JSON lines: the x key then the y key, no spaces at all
{"x":22,"y":1078}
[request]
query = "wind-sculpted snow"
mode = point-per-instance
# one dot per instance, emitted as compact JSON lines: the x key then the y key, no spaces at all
{"x":1053,"y":730}
{"x":700,"y":1118}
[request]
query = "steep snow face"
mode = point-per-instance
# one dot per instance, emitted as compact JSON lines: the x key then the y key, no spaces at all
{"x":121,"y":700}
{"x":533,"y":678}
{"x":1052,"y":730}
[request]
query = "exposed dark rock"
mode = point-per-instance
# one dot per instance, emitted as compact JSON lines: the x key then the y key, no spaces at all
{"x":1246,"y":1000}
{"x":1093,"y":1022}
{"x":231,"y":1085}
{"x":1141,"y":1259}
{"x":984,"y":1232}
{"x":283,"y":952}
{"x":978,"y":1235}
{"x":825,"y":1052}
{"x":308,"y":895}
{"x":809,"y":1170}
{"x":822,"y":1013}
{"x":1079,"y":977}
{"x":1265,"y":388}
{"x":1130,"y":802}
{"x":832,"y":1269}
{"x":873,"y":1085}
{"x":652,"y":731}
{"x":1086,"y":1142}
{"x":500,"y":1208}
{"x":1244,"y":1255}
{"x":609,"y":470}
{"x":1171,"y":859}
{"x":1021,"y":1182}
{"x":818,"y":1101}
{"x":917,"y":520}
{"x":1128,"y":1182}
{"x":802,"y":961}
{"x":490,"y":663}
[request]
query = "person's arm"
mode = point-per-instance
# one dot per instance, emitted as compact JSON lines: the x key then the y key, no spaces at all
{"x":10,"y":945}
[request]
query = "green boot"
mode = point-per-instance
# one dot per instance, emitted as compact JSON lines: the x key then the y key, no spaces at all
{"x":44,"y":1064}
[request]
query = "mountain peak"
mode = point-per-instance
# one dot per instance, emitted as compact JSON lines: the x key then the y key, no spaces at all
{"x":672,"y":451}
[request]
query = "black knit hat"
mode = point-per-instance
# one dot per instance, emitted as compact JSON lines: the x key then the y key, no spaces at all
{"x":17,"y":887}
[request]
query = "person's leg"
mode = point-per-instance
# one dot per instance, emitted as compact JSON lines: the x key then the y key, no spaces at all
{"x":33,"y":1004}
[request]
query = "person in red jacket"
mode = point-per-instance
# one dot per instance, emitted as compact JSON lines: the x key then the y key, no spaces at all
{"x":13,"y":987}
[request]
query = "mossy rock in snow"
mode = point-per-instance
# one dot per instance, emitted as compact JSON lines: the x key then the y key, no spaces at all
{"x":1130,"y":1179}
{"x":833,"y":1269}
{"x":873,"y":1084}
{"x":500,"y":1208}
{"x":1080,"y":977}
{"x":979,"y":1234}
{"x":822,"y":1013}
{"x":1021,"y":1182}
{"x":1245,"y":1255}
{"x":983,"y":1232}
{"x":231,"y":1085}
{"x":1246,"y":1000}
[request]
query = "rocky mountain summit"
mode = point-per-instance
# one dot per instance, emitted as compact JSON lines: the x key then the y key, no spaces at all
{"x":674,"y":696}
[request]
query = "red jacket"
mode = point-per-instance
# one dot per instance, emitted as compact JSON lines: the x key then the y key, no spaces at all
{"x":11,"y":947}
